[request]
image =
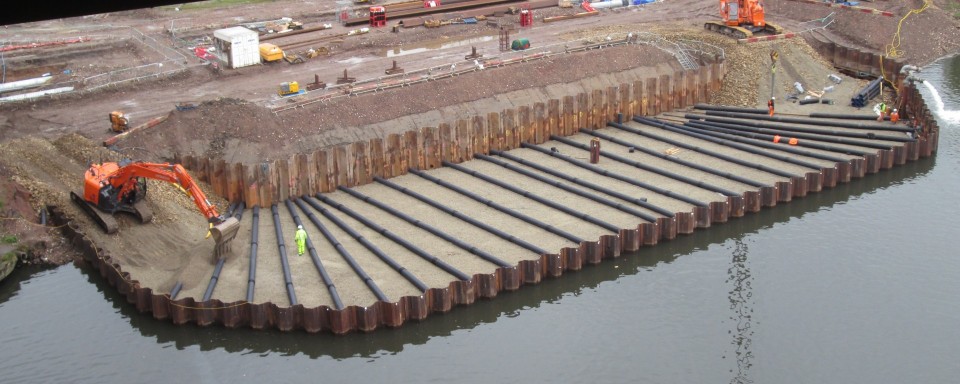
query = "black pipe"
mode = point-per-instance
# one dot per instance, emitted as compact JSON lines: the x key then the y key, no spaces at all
{"x":327,"y":281}
{"x":396,"y":239}
{"x":499,"y":207}
{"x":367,"y":244}
{"x":176,"y":290}
{"x":708,"y":152}
{"x":708,"y":130}
{"x":710,"y":107}
{"x":616,"y":176}
{"x":238,"y":213}
{"x":43,"y":216}
{"x":427,"y":227}
{"x":638,"y":201}
{"x":809,"y":101}
{"x":844,"y":116}
{"x":729,"y":143}
{"x":281,"y":246}
{"x":809,"y":121}
{"x":686,"y":163}
{"x":770,"y":134}
{"x":576,"y":191}
{"x":254,"y":235}
{"x":868,"y":92}
{"x":468,"y":219}
{"x":230,"y":209}
{"x":213,"y":279}
{"x":531,"y":196}
{"x":758,"y":124}
{"x":343,"y":251}
{"x":662,"y":172}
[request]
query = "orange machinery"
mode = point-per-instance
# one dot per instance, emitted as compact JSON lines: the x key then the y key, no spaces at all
{"x":741,"y":19}
{"x":118,"y":122}
{"x":121,"y":187}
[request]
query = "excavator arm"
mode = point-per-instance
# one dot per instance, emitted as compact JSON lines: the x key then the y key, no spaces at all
{"x":125,"y":180}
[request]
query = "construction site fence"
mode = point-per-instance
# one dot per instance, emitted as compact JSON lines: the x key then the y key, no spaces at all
{"x":170,"y":63}
{"x":357,"y":163}
{"x":704,"y":52}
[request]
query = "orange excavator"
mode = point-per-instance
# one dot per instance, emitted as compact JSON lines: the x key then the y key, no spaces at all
{"x":741,"y":19}
{"x":112,"y":187}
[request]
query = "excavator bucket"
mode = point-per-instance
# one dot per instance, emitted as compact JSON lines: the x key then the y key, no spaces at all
{"x":223,"y":234}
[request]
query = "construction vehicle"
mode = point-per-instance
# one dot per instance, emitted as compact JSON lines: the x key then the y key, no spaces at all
{"x":289,"y":89}
{"x":112,"y":187}
{"x":741,"y":19}
{"x":118,"y":122}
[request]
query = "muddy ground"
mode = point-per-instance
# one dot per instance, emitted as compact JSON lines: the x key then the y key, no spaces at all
{"x":46,"y":144}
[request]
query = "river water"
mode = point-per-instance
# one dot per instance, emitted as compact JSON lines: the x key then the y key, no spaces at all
{"x":852,"y":285}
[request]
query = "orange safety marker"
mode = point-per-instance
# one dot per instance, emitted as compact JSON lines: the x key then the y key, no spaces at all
{"x":776,"y":138}
{"x":794,"y":141}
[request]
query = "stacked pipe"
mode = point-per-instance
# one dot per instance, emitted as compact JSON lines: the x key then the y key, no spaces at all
{"x":866,"y":94}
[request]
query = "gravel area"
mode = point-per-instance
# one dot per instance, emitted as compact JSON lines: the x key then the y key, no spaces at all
{"x":488,"y":242}
{"x":585,"y":205}
{"x":658,"y":200}
{"x":516,"y":227}
{"x":663,"y":164}
{"x":692,"y":155}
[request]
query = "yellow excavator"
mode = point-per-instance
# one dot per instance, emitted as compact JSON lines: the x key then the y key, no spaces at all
{"x":118,"y":122}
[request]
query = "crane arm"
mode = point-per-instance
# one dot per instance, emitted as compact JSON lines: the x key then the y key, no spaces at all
{"x":125,"y":180}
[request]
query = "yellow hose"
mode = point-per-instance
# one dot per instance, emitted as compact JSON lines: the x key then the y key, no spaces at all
{"x":892,"y":50}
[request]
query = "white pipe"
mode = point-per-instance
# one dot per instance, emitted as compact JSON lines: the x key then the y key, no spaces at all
{"x":607,"y":4}
{"x":34,"y":95}
{"x":24,"y":84}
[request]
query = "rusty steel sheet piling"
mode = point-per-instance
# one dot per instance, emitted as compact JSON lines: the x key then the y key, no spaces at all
{"x":376,"y":160}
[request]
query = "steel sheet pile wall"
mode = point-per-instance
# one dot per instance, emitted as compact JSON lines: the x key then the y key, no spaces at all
{"x":360,"y":163}
{"x":908,"y":98}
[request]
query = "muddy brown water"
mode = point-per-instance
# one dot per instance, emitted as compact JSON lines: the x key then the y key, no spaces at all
{"x":856,"y":284}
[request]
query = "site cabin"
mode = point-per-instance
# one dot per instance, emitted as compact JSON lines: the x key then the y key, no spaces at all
{"x":237,"y":46}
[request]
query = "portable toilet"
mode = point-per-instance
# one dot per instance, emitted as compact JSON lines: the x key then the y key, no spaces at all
{"x":237,"y":46}
{"x":520,"y":44}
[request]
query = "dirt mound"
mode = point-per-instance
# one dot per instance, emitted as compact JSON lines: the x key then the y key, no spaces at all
{"x":239,"y":131}
{"x":206,"y":129}
{"x":923,"y":37}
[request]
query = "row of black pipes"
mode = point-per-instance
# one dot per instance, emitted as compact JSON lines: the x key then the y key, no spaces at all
{"x":739,"y":134}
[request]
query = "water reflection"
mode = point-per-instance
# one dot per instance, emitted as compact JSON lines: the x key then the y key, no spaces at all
{"x":509,"y":304}
{"x":741,"y":311}
{"x":10,"y":286}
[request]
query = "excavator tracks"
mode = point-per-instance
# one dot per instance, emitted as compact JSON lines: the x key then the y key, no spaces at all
{"x":740,"y":32}
{"x":104,"y":220}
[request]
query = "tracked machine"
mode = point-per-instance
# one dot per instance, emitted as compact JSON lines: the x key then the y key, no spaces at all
{"x":741,"y":19}
{"x":112,"y":187}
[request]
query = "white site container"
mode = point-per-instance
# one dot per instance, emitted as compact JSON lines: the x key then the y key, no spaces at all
{"x":237,"y":46}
